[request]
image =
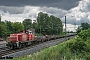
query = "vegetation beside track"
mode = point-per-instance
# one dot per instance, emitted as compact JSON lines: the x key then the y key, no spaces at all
{"x":77,"y":48}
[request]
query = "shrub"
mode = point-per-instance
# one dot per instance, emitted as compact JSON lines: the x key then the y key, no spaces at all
{"x":77,"y":46}
{"x":84,"y":34}
{"x":87,"y":56}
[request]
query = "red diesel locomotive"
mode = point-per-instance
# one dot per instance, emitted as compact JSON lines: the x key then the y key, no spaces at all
{"x":18,"y":40}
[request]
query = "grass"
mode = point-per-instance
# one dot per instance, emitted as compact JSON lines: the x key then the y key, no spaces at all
{"x":58,"y":52}
{"x":73,"y":49}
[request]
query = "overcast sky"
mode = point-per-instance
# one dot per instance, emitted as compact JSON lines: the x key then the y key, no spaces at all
{"x":77,"y":11}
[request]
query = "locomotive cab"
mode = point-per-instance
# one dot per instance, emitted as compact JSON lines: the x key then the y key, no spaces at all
{"x":30,"y":35}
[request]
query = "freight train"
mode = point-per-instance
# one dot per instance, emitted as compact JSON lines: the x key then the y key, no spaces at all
{"x":26,"y":38}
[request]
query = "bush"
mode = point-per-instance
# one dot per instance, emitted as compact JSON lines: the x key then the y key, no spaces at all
{"x":77,"y":46}
{"x":87,"y":56}
{"x":84,"y":34}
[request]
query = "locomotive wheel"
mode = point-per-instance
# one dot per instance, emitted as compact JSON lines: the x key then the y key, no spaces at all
{"x":26,"y":44}
{"x":11,"y":47}
{"x":20,"y":45}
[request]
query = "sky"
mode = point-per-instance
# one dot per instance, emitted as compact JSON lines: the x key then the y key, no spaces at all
{"x":76,"y":11}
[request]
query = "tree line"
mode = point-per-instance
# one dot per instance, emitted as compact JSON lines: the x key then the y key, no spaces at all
{"x":45,"y":25}
{"x":84,"y":26}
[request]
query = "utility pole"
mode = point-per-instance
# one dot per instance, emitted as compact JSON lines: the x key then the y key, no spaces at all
{"x":65,"y":27}
{"x":0,"y":18}
{"x":75,"y":27}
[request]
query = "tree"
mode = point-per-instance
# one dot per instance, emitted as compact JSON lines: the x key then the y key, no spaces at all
{"x":49,"y":25}
{"x":79,"y":29}
{"x":85,"y":26}
{"x":3,"y":29}
{"x":17,"y":27}
{"x":84,"y":34}
{"x":9,"y":27}
{"x":27,"y":24}
{"x":56,"y":24}
{"x":42,"y":20}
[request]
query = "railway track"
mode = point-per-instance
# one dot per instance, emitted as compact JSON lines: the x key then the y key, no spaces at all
{"x":30,"y":49}
{"x":3,"y":49}
{"x":2,"y":45}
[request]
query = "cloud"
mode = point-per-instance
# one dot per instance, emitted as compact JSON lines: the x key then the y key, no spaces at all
{"x":30,"y":12}
{"x":63,"y":4}
{"x":12,"y":10}
{"x":79,"y":14}
{"x":74,"y":14}
{"x":27,"y":12}
{"x":54,"y":11}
